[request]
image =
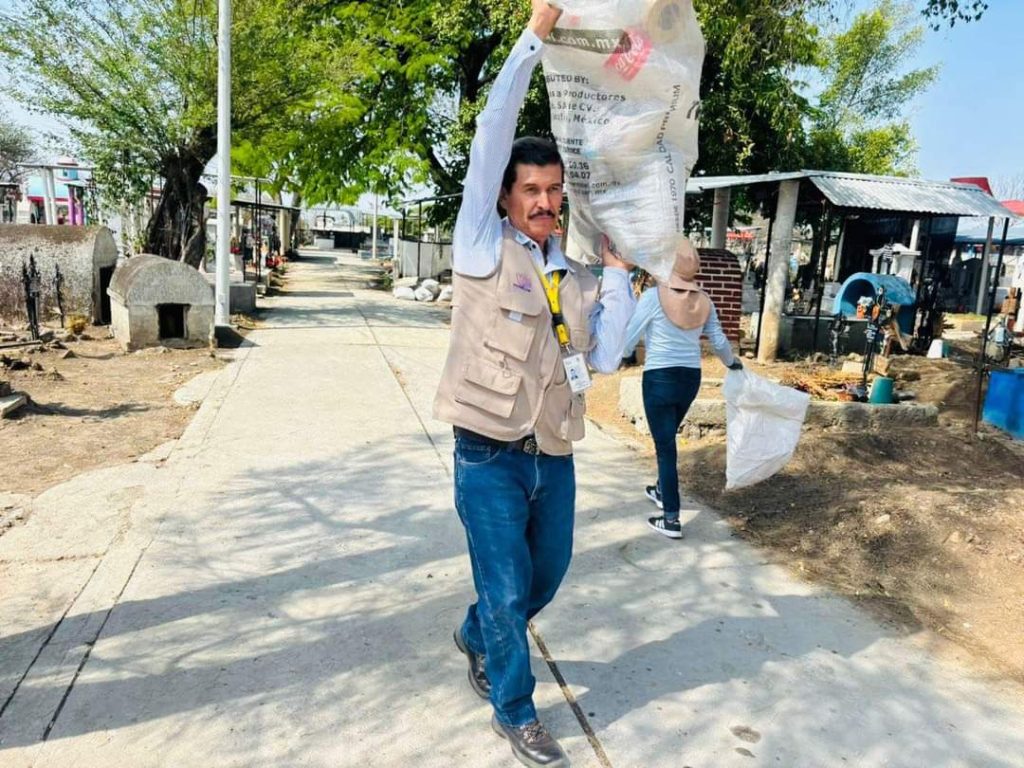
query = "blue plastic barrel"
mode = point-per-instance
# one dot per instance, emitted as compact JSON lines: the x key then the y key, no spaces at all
{"x":1004,"y":401}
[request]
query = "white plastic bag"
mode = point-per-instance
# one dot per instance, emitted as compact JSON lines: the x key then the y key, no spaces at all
{"x":425,"y":294}
{"x":623,"y":80}
{"x":762,"y":427}
{"x":404,"y":292}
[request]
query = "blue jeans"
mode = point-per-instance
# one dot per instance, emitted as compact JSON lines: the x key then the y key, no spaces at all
{"x":517,"y":510}
{"x":668,"y":393}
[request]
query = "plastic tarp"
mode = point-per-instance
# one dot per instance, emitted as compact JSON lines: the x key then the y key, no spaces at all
{"x":623,"y":80}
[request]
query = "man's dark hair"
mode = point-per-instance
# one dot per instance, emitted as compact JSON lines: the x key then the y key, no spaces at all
{"x":530,"y":150}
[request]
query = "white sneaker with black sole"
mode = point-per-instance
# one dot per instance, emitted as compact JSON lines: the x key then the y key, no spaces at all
{"x":670,"y":528}
{"x":654,"y":495}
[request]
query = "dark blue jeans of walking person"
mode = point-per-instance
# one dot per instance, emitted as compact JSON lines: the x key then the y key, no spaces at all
{"x":668,"y":393}
{"x":518,"y":512}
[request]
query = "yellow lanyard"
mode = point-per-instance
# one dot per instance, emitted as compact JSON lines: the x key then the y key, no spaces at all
{"x":554,"y":302}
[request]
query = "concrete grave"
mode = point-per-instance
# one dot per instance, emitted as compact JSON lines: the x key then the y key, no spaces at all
{"x":156,"y":301}
{"x":87,"y":257}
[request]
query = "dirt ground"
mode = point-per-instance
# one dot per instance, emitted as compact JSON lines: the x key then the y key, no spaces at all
{"x":924,"y":526}
{"x":99,"y":408}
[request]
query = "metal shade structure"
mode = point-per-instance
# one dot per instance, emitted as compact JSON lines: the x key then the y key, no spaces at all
{"x":929,"y":198}
{"x":825,"y":194}
{"x":861,"y":191}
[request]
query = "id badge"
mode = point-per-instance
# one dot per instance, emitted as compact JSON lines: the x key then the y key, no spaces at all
{"x":576,"y":372}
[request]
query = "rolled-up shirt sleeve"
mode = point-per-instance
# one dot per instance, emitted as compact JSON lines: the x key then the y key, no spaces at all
{"x":609,"y":320}
{"x":476,"y":242}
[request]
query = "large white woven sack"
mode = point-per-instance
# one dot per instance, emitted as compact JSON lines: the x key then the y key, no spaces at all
{"x":623,"y":80}
{"x":762,"y":427}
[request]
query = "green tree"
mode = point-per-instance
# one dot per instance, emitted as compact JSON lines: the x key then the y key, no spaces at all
{"x":410,"y":80}
{"x":16,"y":147}
{"x":136,"y":82}
{"x":859,"y":122}
{"x":751,"y":106}
{"x":415,"y":75}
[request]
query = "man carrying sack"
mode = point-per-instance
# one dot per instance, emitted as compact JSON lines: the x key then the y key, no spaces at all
{"x":527,"y":323}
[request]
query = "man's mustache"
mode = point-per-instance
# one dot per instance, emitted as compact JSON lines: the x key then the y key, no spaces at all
{"x":538,"y":214}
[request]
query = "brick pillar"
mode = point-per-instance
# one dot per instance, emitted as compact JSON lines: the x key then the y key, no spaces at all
{"x":722,"y":279}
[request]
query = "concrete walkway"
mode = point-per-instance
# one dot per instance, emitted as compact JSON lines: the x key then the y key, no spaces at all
{"x":279,"y":588}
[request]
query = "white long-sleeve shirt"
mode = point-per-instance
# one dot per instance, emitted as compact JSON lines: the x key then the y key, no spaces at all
{"x":666,"y":345}
{"x":477,"y":241}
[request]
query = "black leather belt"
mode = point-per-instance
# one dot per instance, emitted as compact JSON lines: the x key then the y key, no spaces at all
{"x":526,"y":444}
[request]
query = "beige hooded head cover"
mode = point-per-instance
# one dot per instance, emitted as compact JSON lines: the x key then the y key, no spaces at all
{"x":682,"y":300}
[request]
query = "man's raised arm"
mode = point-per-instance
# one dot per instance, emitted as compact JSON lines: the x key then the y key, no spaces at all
{"x":477,"y":239}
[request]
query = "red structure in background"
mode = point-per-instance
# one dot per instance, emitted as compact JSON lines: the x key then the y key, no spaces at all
{"x":722,"y":279}
{"x":979,"y":181}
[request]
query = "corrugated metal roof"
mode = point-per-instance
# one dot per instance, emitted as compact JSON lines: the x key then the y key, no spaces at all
{"x":697,"y":184}
{"x":907,"y":195}
{"x":882,"y":193}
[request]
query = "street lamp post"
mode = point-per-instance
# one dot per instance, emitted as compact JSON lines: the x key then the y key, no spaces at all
{"x":223,"y":288}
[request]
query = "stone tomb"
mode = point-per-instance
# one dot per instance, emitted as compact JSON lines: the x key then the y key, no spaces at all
{"x":86,"y":255}
{"x":156,"y":301}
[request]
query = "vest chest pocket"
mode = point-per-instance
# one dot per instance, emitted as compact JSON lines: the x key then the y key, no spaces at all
{"x":488,"y":387}
{"x":515,"y":324}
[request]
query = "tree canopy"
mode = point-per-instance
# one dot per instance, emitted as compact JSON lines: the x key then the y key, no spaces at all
{"x":413,"y":76}
{"x":336,"y":97}
{"x":136,"y":82}
{"x":16,"y":146}
{"x":859,"y":122}
{"x":416,"y":75}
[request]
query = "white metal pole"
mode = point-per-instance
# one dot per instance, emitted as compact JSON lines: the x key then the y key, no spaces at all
{"x":373,"y":248}
{"x":223,"y":287}
{"x":50,"y":196}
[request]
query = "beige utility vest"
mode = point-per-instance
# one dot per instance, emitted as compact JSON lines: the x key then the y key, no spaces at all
{"x":504,"y":376}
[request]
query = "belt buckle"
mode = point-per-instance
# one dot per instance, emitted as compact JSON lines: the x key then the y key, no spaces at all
{"x":530,"y":446}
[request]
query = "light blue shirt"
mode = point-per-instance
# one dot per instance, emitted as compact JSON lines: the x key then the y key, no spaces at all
{"x":477,"y":241}
{"x":666,"y":345}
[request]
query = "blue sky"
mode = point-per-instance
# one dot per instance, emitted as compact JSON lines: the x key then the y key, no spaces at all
{"x":969,"y":123}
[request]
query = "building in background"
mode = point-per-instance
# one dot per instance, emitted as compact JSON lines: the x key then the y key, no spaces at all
{"x":59,"y":193}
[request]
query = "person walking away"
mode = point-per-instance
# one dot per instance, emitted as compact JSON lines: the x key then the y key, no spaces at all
{"x":527,"y":324}
{"x":671,"y":318}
